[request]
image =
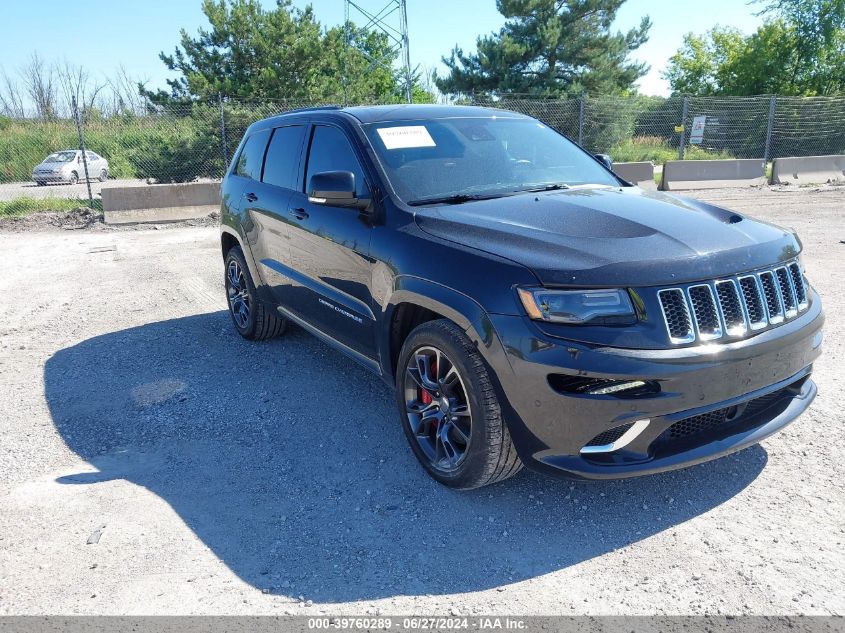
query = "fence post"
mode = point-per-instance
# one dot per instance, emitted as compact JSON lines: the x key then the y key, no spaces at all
{"x":223,"y":146}
{"x":682,"y":143}
{"x":581,"y":121}
{"x":82,"y":149}
{"x":772,"y":106}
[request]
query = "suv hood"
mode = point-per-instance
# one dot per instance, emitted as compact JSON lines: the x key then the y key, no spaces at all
{"x":608,"y":236}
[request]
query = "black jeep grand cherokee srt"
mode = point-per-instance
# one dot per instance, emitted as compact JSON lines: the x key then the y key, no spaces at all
{"x":528,"y":306}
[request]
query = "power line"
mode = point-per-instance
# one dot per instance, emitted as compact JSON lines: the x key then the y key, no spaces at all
{"x":392,"y":21}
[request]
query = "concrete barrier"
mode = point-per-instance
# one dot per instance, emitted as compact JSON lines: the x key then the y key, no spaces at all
{"x":160,"y":203}
{"x":640,"y":174}
{"x":808,"y":170}
{"x":712,"y":174}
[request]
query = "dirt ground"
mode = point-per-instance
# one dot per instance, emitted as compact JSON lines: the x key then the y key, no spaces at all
{"x":152,"y":462}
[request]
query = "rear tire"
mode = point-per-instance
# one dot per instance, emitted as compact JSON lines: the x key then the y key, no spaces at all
{"x":472,"y":452}
{"x":74,"y":178}
{"x":104,"y":175}
{"x":252,"y":319}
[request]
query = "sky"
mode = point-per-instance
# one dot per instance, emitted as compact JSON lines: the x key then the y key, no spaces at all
{"x":105,"y":34}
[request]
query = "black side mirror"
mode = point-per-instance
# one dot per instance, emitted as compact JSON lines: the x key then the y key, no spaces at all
{"x":605,"y":160}
{"x":335,"y":189}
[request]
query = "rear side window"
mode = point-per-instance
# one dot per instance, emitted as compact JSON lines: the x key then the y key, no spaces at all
{"x":252,"y":155}
{"x":280,"y":165}
{"x":331,"y":151}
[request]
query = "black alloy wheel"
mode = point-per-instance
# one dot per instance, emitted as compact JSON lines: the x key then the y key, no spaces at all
{"x":253,"y":319}
{"x":450,"y":409}
{"x":238,"y":293}
{"x":437,"y":408}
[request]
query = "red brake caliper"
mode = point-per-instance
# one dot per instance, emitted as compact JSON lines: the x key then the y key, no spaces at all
{"x":426,"y":397}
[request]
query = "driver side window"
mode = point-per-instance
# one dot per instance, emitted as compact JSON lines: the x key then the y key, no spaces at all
{"x":331,"y":151}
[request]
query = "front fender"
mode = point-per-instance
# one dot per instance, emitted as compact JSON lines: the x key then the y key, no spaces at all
{"x":476,"y":323}
{"x":452,"y":304}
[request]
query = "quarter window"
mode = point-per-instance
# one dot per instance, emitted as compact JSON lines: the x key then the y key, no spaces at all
{"x":331,"y":151}
{"x":252,"y":155}
{"x":282,"y":161}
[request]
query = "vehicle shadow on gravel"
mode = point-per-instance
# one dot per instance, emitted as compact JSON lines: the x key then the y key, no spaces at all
{"x":288,"y":461}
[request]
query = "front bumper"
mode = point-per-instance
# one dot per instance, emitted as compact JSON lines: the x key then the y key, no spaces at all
{"x":734,"y":380}
{"x":50,"y":177}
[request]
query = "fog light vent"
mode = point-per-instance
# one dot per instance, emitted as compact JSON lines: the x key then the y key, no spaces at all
{"x":582,"y":385}
{"x":610,"y":436}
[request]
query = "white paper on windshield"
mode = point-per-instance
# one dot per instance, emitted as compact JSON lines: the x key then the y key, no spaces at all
{"x":405,"y":136}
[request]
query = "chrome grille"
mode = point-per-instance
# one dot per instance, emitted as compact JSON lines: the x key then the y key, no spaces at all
{"x":731,"y":308}
{"x":677,"y":316}
{"x":704,"y":311}
{"x":774,"y":306}
{"x":790,"y":303}
{"x":798,"y":284}
{"x":752,"y":297}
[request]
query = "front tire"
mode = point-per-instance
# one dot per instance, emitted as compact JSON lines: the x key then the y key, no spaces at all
{"x":104,"y":175}
{"x":252,"y":319}
{"x":450,"y":411}
{"x":74,"y":178}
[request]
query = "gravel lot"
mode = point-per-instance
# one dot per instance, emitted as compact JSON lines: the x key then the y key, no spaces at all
{"x":152,"y":462}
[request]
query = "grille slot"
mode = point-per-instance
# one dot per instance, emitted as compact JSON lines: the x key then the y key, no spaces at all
{"x":798,"y":284}
{"x":731,"y":307}
{"x":704,"y":309}
{"x":774,"y":306}
{"x":677,"y":315}
{"x":790,"y":304}
{"x":753,"y":298}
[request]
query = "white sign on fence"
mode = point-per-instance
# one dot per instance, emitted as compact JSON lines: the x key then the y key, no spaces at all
{"x":697,"y":134}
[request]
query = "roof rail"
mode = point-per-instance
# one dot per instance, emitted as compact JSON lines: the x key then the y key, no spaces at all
{"x":311,"y":108}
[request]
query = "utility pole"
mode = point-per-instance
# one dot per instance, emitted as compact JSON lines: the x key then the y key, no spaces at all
{"x":392,"y":21}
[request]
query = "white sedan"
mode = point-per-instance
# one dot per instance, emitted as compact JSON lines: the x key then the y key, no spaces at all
{"x":67,"y":166}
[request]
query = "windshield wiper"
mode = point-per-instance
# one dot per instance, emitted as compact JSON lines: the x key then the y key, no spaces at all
{"x":457,"y":198}
{"x":551,"y":186}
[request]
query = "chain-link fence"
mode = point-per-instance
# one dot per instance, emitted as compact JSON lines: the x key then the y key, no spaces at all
{"x":185,"y":142}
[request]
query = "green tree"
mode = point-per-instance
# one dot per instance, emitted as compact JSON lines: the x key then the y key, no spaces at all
{"x":817,"y":30}
{"x":798,"y":50}
{"x":554,"y":47}
{"x":697,"y":67}
{"x":250,"y":52}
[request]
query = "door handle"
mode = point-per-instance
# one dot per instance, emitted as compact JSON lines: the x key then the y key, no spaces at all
{"x":251,"y":197}
{"x":299,"y":214}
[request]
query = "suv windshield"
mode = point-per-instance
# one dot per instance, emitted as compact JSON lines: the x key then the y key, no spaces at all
{"x":60,"y":157}
{"x":460,"y":159}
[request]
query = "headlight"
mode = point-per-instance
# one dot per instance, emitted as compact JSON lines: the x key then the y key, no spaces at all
{"x":578,"y":306}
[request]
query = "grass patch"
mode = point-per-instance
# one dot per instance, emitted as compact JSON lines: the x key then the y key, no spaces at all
{"x":26,"y":206}
{"x":658,"y":151}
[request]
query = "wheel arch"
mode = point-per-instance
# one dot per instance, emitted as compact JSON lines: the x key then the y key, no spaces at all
{"x":229,"y":238}
{"x":416,"y":300}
